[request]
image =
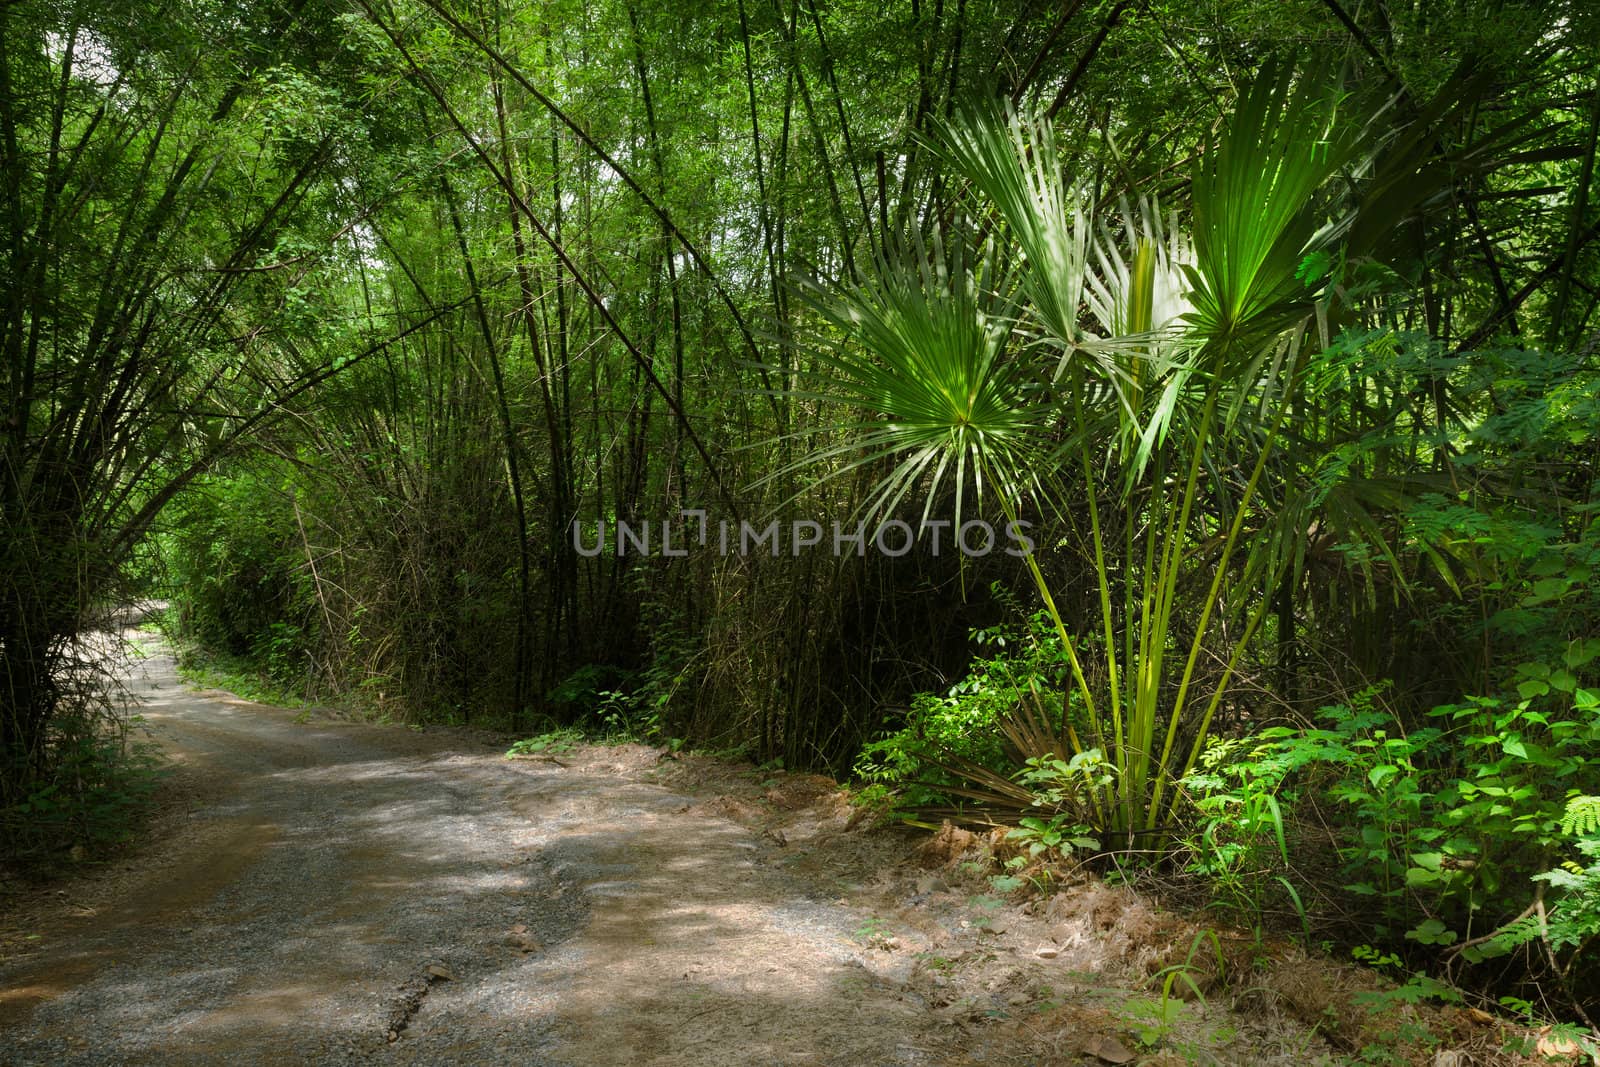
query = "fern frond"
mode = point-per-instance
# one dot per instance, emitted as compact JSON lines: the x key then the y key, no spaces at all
{"x":1582,"y":817}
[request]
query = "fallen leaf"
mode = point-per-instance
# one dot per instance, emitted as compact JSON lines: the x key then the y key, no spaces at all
{"x":1109,"y":1050}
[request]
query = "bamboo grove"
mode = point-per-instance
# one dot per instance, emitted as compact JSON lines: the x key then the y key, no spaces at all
{"x":348,"y":326}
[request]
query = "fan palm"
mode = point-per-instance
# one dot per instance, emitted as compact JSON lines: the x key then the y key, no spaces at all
{"x":921,"y":347}
{"x":1182,"y":391}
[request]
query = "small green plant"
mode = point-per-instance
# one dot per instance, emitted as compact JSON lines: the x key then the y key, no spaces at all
{"x":1188,"y":973}
{"x":1522,"y":1009}
{"x":1152,"y":1019}
{"x":554,"y":743}
{"x":1396,"y":1033}
{"x":880,"y":804}
{"x":1414,"y":990}
{"x":875,"y":933}
{"x":1005,"y":884}
{"x":1067,"y":784}
{"x":1024,"y":870}
{"x":1375,"y":958}
{"x":614,"y":705}
{"x":618,"y":717}
{"x":987,"y":910}
{"x":1052,"y":836}
{"x":1236,"y":840}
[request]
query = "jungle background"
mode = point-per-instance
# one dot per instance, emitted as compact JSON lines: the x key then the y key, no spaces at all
{"x":326,"y":323}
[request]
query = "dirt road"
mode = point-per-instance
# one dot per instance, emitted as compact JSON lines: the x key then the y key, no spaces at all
{"x":331,"y":892}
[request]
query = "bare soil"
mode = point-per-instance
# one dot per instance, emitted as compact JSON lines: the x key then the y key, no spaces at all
{"x":321,"y":891}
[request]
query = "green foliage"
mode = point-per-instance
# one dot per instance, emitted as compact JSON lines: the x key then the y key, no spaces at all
{"x":949,"y":722}
{"x":1535,"y":575}
{"x":241,"y":676}
{"x":1393,"y":1029}
{"x":462,"y":295}
{"x":922,"y":341}
{"x":1582,"y":817}
{"x":934,"y":384}
{"x":237,"y":576}
{"x":1067,"y":784}
{"x":880,"y":804}
{"x":615,"y":704}
{"x":653,"y":709}
{"x":1006,"y":883}
{"x":583,"y":691}
{"x":1448,"y":828}
{"x":1152,"y":1020}
{"x":101,"y":783}
{"x":1571,"y":921}
{"x":966,"y":723}
{"x":875,"y":933}
{"x":1054,"y":836}
{"x":553,"y":743}
{"x":1254,"y":222}
{"x":1236,"y":840}
{"x":1375,"y":958}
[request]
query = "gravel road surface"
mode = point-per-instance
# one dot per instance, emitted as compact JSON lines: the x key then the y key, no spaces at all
{"x":335,"y":892}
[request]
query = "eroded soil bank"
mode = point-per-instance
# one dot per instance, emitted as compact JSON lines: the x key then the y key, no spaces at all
{"x":318,"y":891}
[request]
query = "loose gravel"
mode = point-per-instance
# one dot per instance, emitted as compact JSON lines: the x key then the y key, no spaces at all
{"x":580,"y":919}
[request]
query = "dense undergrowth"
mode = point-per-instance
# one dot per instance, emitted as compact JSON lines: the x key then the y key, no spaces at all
{"x":344,"y":328}
{"x":102,"y":776}
{"x":1461,"y":840}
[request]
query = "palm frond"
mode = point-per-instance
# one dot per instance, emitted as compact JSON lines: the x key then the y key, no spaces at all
{"x":1012,"y":160}
{"x":920,"y":349}
{"x":1254,"y":218}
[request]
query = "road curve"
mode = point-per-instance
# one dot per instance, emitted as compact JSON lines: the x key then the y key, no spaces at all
{"x":351,"y":893}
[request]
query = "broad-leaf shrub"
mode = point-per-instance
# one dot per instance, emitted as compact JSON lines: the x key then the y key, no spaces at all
{"x":1571,"y":921}
{"x":98,"y":785}
{"x":966,"y":722}
{"x":1447,"y":830}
